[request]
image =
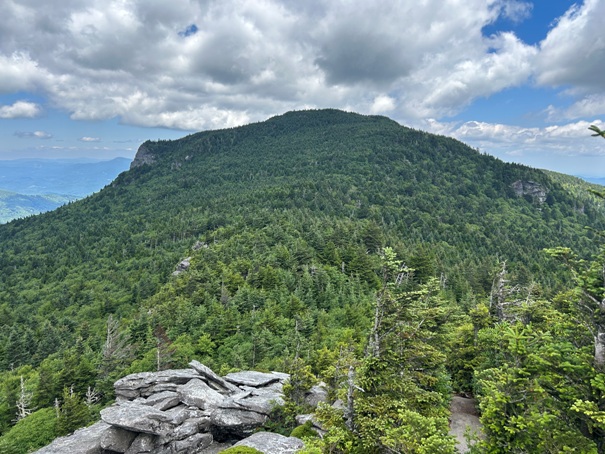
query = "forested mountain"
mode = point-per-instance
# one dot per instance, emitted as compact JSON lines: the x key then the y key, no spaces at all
{"x":316,"y":242}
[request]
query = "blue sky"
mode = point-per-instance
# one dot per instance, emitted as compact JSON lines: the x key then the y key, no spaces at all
{"x":521,"y":80}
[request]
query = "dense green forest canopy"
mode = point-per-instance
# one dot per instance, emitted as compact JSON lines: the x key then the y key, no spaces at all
{"x":284,"y":226}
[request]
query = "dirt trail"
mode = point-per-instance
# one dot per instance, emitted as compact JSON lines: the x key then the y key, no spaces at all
{"x":464,"y":415}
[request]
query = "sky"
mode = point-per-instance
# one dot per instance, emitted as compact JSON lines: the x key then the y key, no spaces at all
{"x":521,"y":80}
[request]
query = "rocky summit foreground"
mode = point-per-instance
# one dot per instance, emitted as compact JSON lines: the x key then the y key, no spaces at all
{"x":184,"y":411}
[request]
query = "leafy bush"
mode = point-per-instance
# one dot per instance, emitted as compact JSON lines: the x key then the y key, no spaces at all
{"x":304,"y":431}
{"x":30,"y":433}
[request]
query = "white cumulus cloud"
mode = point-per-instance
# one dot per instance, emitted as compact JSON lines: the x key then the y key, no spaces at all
{"x":565,"y":139}
{"x":190,"y":65}
{"x":20,"y":109}
{"x":34,"y":134}
{"x":193,"y":65}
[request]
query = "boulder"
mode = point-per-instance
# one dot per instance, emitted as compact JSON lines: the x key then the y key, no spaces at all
{"x":283,"y":377}
{"x":182,"y":266}
{"x":198,"y":394}
{"x":315,"y":424}
{"x":192,"y":445}
{"x":302,"y":419}
{"x":163,"y":400}
{"x":228,"y":423}
{"x":339,"y":405}
{"x":116,"y":439}
{"x":138,"y":418}
{"x":82,"y":441}
{"x":316,"y":394}
{"x":181,"y":413}
{"x":142,"y":444}
{"x":191,"y":427}
{"x":199,"y":245}
{"x":272,"y":443}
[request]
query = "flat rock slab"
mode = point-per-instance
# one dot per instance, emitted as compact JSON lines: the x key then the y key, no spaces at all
{"x":276,"y":387}
{"x":138,"y":418}
{"x":272,"y":443}
{"x":147,"y":383}
{"x":259,"y":404}
{"x":198,"y":394}
{"x":145,"y":379}
{"x":252,"y":378}
{"x":213,"y":378}
{"x":82,"y":441}
{"x":163,"y":400}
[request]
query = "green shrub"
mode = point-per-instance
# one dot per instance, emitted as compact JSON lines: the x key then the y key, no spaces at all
{"x":31,"y":433}
{"x":241,"y":450}
{"x":304,"y":431}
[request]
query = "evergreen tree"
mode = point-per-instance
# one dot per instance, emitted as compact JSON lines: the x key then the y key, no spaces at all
{"x":73,"y":413}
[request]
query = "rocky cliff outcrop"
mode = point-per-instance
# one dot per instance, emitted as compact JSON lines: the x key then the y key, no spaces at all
{"x":184,"y":411}
{"x":535,"y":190}
{"x":143,"y":156}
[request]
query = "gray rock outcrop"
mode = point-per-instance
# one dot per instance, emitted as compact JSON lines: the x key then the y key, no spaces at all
{"x":252,"y":378}
{"x":197,"y":393}
{"x":143,"y":156}
{"x":530,"y":188}
{"x":272,"y":443}
{"x":181,"y":412}
{"x":82,"y":441}
{"x":316,"y":394}
{"x":138,"y":418}
{"x":117,"y":440}
{"x":182,"y":266}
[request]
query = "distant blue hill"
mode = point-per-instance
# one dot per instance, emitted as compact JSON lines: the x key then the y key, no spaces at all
{"x":595,"y":180}
{"x":68,"y":177}
{"x":14,"y":205}
{"x":32,"y":186}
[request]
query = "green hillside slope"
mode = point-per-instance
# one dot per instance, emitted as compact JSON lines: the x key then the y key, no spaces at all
{"x":284,"y":223}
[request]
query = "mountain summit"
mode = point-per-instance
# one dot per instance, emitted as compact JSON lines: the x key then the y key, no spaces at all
{"x":267,"y":247}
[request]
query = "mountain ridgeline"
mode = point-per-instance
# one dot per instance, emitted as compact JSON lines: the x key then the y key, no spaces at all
{"x":285,"y":232}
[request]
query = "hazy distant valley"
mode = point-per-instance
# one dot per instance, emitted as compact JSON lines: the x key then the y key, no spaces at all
{"x":32,"y":186}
